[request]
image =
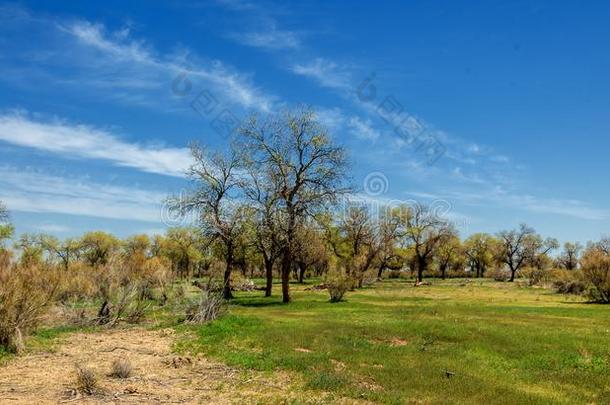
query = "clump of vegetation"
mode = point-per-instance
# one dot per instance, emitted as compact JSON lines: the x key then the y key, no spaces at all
{"x":500,"y":274}
{"x":596,"y":270}
{"x":121,"y":368}
{"x":86,"y":380}
{"x":210,"y":306}
{"x":338,"y":283}
{"x":25,"y":294}
{"x":568,"y":281}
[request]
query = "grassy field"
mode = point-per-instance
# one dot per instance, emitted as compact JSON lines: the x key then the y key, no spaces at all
{"x":454,"y":341}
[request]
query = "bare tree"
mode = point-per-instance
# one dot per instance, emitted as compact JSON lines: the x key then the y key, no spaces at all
{"x":569,"y":257}
{"x":310,"y":250}
{"x":294,"y":152}
{"x":520,"y":247}
{"x":266,"y":223}
{"x":423,"y":231}
{"x":388,"y":232}
{"x":216,"y":200}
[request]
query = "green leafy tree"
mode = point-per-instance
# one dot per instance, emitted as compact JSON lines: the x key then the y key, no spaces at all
{"x":66,"y":251}
{"x":31,"y":249}
{"x":183,"y":247}
{"x":98,"y":247}
{"x":479,"y":249}
{"x":449,"y":254}
{"x":6,"y":229}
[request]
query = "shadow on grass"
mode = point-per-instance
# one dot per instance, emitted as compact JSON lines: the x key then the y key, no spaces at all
{"x":588,"y":302}
{"x":257,"y":301}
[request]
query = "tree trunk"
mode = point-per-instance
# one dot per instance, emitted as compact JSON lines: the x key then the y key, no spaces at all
{"x":421,"y":267}
{"x":226,"y":289}
{"x":103,"y":315}
{"x":443,"y":271}
{"x":269,"y":275}
{"x":302,"y":269}
{"x":379,"y":272}
{"x":286,"y":279}
{"x":512,"y":275}
{"x":226,"y":286}
{"x":287,"y":253}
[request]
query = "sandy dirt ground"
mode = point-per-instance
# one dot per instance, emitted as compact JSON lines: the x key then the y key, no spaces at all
{"x":159,"y":376}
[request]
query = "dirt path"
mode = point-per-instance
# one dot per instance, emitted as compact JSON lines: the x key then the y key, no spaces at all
{"x":158,"y":375}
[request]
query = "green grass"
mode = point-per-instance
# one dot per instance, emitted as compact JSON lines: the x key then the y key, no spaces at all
{"x":394,"y":343}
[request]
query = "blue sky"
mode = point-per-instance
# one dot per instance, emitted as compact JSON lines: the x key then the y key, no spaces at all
{"x":98,"y":103}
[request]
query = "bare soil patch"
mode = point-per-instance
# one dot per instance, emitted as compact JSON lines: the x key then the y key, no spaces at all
{"x":159,"y":376}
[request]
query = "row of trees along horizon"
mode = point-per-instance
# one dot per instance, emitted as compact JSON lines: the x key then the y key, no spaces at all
{"x":268,"y":204}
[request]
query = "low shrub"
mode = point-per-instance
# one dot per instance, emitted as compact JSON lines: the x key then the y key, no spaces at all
{"x":210,"y":306}
{"x":568,"y":281}
{"x":394,"y":274}
{"x":26,"y":292}
{"x":121,"y":368}
{"x":86,"y":380}
{"x":596,"y":271}
{"x":536,"y":275}
{"x":338,"y":283}
{"x":501,"y":275}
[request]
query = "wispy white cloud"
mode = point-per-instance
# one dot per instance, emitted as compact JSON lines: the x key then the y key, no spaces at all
{"x":115,"y":64}
{"x":270,"y":38}
{"x":332,"y":118}
{"x":362,"y":128}
{"x":326,"y":72}
{"x":499,"y":197}
{"x":118,"y":47}
{"x":33,"y":191}
{"x":48,"y":227}
{"x":87,"y":142}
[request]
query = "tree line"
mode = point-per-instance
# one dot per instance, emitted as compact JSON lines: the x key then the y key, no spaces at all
{"x":276,"y":203}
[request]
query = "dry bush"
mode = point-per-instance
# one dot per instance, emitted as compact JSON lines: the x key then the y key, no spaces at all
{"x":501,"y":274}
{"x":176,"y":293}
{"x":395,"y":274}
{"x":121,"y":368}
{"x":6,"y":257}
{"x":208,"y":308}
{"x":596,"y":271}
{"x":217,"y":269}
{"x":86,"y":380}
{"x":124,"y":289}
{"x":75,"y":315}
{"x":338,"y":283}
{"x":536,"y":275}
{"x":568,"y":281}
{"x":25,"y":295}
{"x":79,"y":283}
{"x":244,"y":284}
